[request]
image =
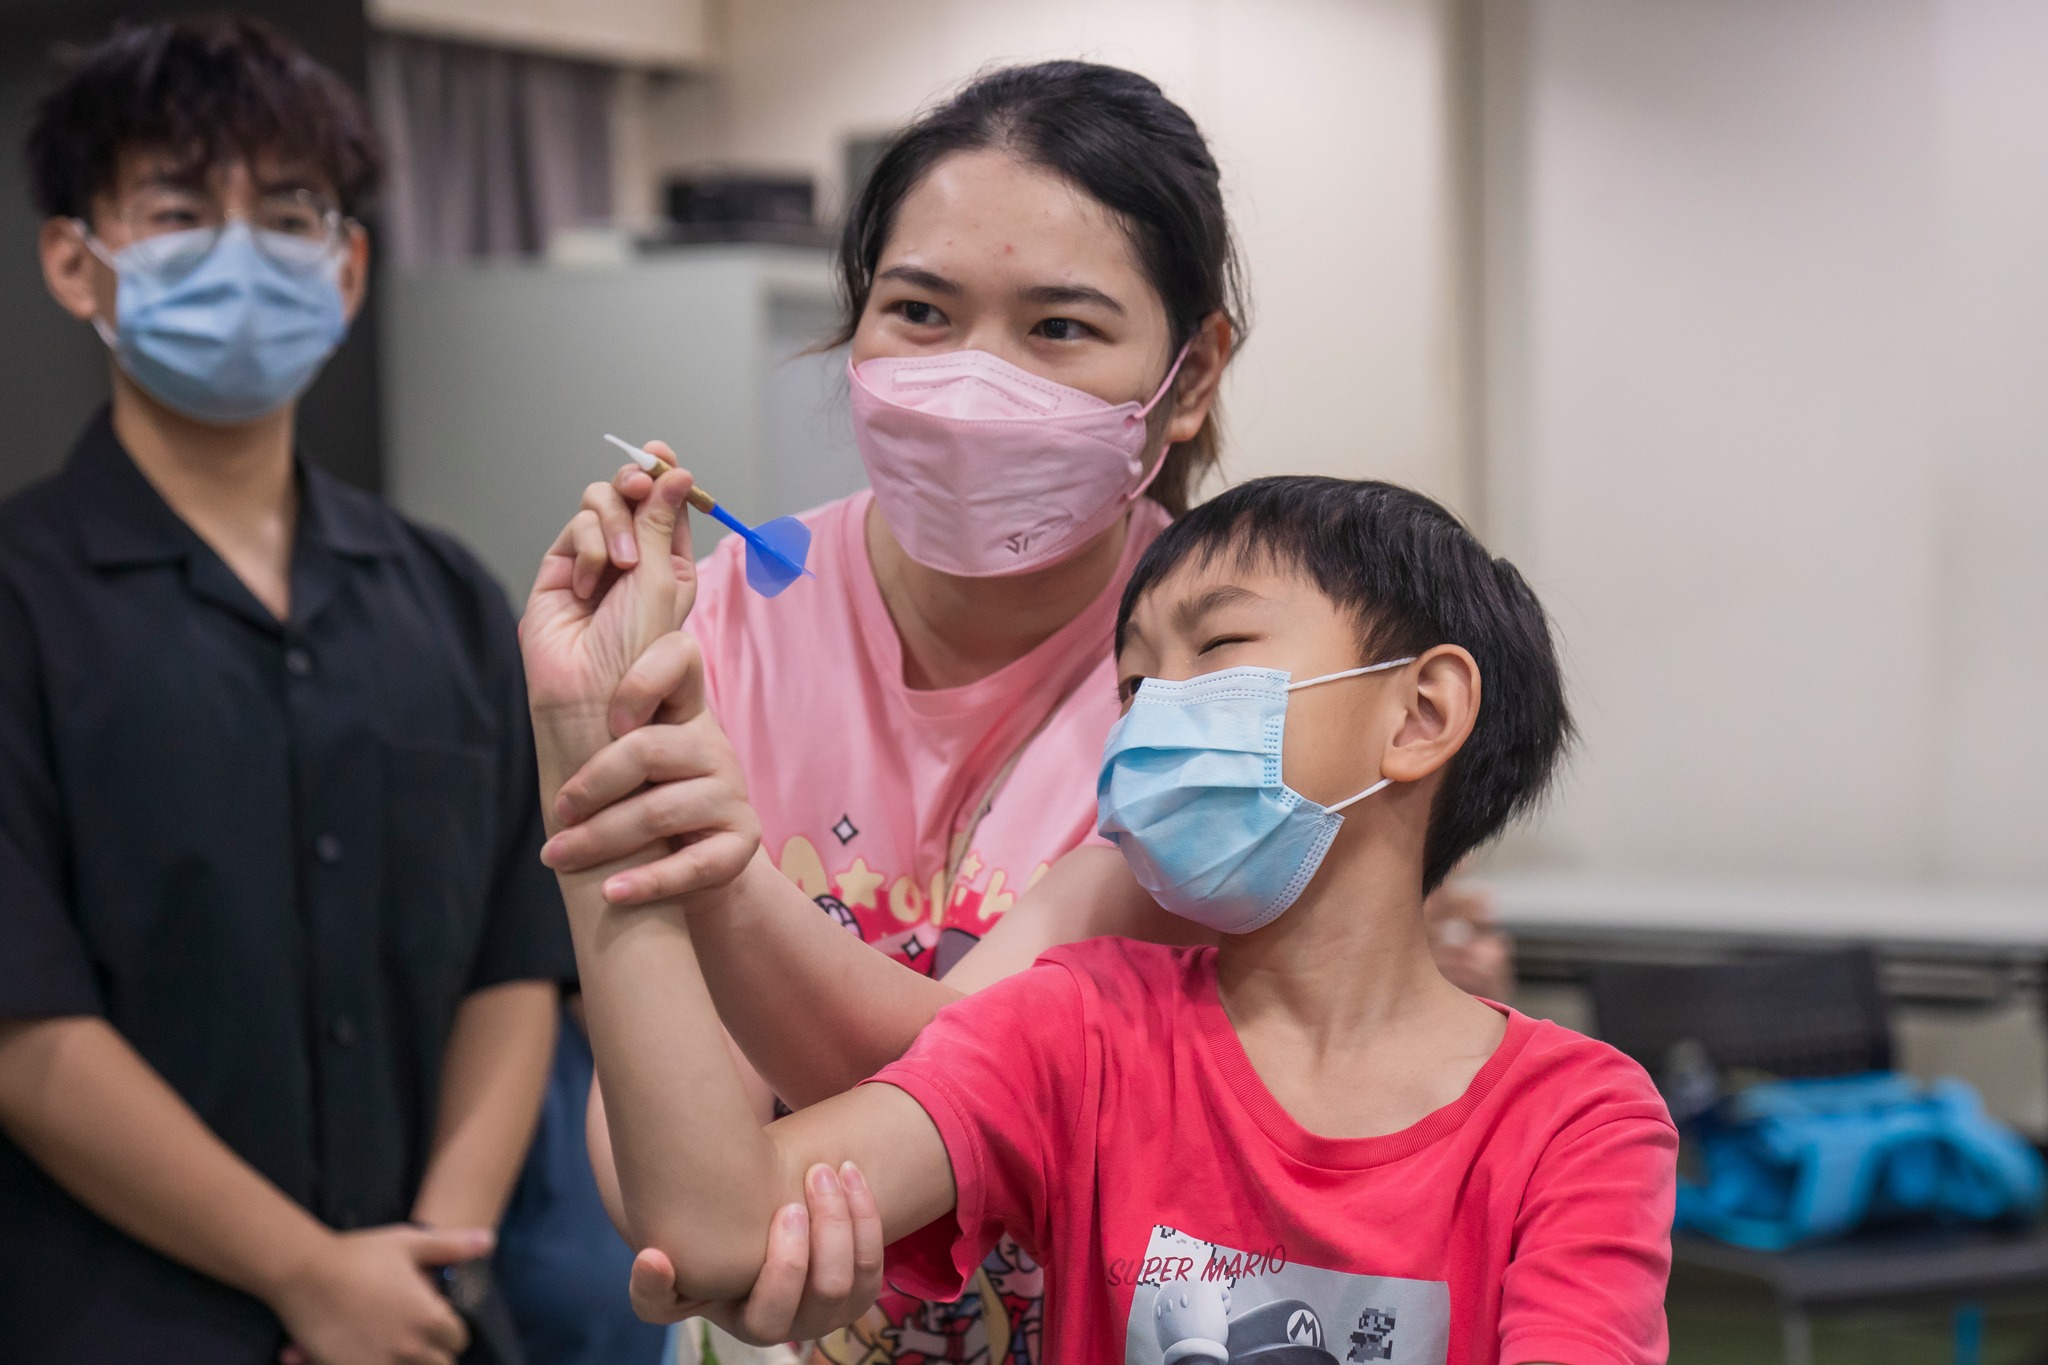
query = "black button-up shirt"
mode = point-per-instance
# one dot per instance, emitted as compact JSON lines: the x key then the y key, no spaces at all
{"x":274,"y":855}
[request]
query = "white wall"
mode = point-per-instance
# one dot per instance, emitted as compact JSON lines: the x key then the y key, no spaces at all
{"x":1767,"y":329}
{"x":1331,"y":120}
{"x":1757,"y":397}
{"x":668,"y":33}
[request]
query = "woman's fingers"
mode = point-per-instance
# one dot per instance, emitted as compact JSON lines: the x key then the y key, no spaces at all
{"x":652,"y":1289}
{"x":661,"y":450}
{"x":632,"y":482}
{"x":845,"y":1253}
{"x":710,"y":862}
{"x":831,"y":1234}
{"x":709,"y":812}
{"x":651,"y":754}
{"x":685,"y":809}
{"x":586,"y":547}
{"x":631,"y":487}
{"x":667,"y":677}
{"x":867,"y":1240}
{"x":823,"y":1268}
{"x":615,"y":518}
{"x":648,"y":592}
{"x":807,"y":1291}
{"x":658,"y":753}
{"x":769,"y":1313}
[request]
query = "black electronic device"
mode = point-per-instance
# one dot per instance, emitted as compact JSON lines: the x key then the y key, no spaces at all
{"x":742,"y":207}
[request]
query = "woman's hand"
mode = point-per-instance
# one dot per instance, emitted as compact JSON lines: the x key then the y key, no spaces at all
{"x":678,"y":779}
{"x":582,"y":630}
{"x":823,"y":1271}
{"x":1470,"y":949}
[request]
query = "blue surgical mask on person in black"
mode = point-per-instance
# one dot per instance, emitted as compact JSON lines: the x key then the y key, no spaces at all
{"x":224,"y":324}
{"x":1191,"y":792}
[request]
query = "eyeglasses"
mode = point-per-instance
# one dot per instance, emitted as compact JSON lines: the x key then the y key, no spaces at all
{"x":179,"y":227}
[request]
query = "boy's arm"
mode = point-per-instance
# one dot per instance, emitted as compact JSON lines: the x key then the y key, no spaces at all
{"x":816,"y":1010}
{"x":699,"y":1179}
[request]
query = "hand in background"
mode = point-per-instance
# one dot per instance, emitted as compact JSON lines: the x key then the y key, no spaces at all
{"x":824,"y":1268}
{"x":1470,"y":950}
{"x":367,"y":1299}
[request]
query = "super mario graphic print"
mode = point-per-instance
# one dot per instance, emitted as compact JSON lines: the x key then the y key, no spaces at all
{"x":1197,"y":1303}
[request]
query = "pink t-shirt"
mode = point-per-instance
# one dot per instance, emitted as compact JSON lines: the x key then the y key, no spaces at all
{"x":1099,"y":1109}
{"x":865,"y":786}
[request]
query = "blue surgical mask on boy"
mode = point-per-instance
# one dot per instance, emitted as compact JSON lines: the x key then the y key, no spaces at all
{"x":224,"y":325}
{"x":1191,"y":792}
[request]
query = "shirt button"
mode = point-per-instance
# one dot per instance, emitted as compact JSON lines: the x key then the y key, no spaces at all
{"x":298,"y":663}
{"x":327,"y":849}
{"x":343,"y":1030}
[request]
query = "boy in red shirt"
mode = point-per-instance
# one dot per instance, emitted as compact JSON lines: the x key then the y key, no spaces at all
{"x":1302,"y":1146}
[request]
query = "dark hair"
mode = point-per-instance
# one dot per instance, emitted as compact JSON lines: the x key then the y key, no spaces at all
{"x":1117,"y":137}
{"x":1416,"y":578}
{"x":203,"y":89}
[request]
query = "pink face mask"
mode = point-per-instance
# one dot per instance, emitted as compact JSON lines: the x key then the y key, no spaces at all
{"x":984,"y":469}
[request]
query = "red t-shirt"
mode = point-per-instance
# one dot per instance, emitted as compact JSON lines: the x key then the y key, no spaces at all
{"x":1100,"y":1109}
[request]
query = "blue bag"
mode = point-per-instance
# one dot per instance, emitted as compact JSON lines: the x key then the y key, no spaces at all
{"x":1788,"y":1162}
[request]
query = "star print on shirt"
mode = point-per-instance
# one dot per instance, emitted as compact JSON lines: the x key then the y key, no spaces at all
{"x":845,"y":830}
{"x":858,"y":884}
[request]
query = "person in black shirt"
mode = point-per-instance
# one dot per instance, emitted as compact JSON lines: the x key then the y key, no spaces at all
{"x":278,"y":961}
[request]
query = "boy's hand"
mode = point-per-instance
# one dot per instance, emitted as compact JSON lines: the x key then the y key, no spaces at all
{"x":601,"y":538}
{"x":366,"y":1299}
{"x":580,"y":635}
{"x":675,"y":779}
{"x":823,"y":1271}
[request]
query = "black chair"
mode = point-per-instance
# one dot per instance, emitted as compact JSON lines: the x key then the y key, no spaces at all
{"x":1808,"y":1014}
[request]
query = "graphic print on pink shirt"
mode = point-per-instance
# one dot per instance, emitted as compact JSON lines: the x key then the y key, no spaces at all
{"x":865,"y":786}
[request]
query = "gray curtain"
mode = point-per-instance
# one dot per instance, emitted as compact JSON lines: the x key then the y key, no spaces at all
{"x":490,"y":152}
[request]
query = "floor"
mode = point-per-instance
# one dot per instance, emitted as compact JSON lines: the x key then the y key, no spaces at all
{"x":1715,"y":1321}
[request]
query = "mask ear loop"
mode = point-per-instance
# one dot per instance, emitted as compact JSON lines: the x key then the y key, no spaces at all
{"x":1352,"y":672}
{"x":99,"y":249}
{"x":1142,"y":413}
{"x":1354,"y":800}
{"x":1384,"y":782}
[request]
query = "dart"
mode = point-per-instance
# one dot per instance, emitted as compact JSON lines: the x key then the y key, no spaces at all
{"x":776,"y":550}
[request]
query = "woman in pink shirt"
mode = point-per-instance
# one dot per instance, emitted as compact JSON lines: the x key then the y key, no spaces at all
{"x":921,"y":725}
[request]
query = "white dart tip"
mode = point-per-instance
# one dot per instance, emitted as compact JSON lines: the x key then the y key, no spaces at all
{"x":640,"y":457}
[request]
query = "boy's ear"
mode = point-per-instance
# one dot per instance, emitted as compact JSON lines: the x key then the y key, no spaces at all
{"x":355,"y":268}
{"x":1439,"y":715}
{"x":70,"y":270}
